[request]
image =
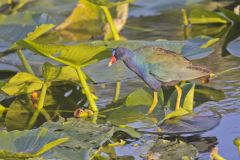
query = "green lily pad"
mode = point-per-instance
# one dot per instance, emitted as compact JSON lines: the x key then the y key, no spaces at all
{"x":22,"y":83}
{"x":28,"y":144}
{"x":143,"y":96}
{"x":80,"y":55}
{"x":231,"y":15}
{"x":82,"y":133}
{"x":187,"y":99}
{"x":134,"y":117}
{"x":202,"y":16}
{"x":165,"y":150}
{"x":198,"y":47}
{"x":191,"y":123}
{"x":110,"y":3}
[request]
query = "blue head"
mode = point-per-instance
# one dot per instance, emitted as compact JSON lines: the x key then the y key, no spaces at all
{"x":119,"y":54}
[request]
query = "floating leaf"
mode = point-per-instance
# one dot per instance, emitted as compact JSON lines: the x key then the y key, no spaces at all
{"x":22,"y":83}
{"x":176,"y":113}
{"x":190,"y":123}
{"x":233,"y":47}
{"x":202,"y":16}
{"x":197,"y":47}
{"x":110,"y":3}
{"x":80,"y":55}
{"x":118,"y":71}
{"x":26,"y":144}
{"x":134,"y":117}
{"x":142,"y":96}
{"x":231,"y":15}
{"x":82,"y":133}
{"x":165,"y":150}
{"x":187,"y":98}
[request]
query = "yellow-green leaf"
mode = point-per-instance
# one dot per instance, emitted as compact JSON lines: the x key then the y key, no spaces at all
{"x":187,"y":98}
{"x":22,"y":83}
{"x":39,"y":30}
{"x":177,"y":113}
{"x":202,"y":16}
{"x":50,"y":145}
{"x":75,"y":56}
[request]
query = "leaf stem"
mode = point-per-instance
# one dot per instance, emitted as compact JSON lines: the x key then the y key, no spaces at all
{"x":185,"y":18}
{"x":111,"y":24}
{"x":24,"y":61}
{"x":117,"y":91}
{"x":92,"y":104}
{"x":39,"y":105}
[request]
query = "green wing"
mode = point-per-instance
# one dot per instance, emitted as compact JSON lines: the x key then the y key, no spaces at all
{"x":167,"y":66}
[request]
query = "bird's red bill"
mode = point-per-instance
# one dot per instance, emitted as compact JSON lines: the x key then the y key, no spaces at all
{"x":112,"y":61}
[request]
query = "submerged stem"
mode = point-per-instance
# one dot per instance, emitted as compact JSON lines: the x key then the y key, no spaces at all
{"x":111,"y":24}
{"x":92,"y":104}
{"x":24,"y":61}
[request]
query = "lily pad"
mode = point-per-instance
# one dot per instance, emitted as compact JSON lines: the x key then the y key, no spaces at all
{"x":28,"y":144}
{"x":202,"y":16}
{"x":186,"y":99}
{"x":231,"y":15}
{"x":233,"y":47}
{"x":198,"y":47}
{"x":79,"y":55}
{"x":143,"y":96}
{"x":165,"y":150}
{"x":134,"y":117}
{"x":82,"y":133}
{"x":192,"y":123}
{"x":22,"y":83}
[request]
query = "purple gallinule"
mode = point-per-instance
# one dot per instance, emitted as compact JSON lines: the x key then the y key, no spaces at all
{"x":159,"y":67}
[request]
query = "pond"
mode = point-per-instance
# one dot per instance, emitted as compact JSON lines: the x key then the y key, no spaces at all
{"x":149,"y":21}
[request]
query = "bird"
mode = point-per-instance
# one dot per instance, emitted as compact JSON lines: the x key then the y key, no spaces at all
{"x":159,"y":67}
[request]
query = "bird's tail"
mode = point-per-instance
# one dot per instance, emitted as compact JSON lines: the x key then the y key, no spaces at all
{"x":211,"y":76}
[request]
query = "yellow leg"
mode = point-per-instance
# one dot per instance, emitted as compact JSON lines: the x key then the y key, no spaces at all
{"x":154,"y":103}
{"x":179,"y":95}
